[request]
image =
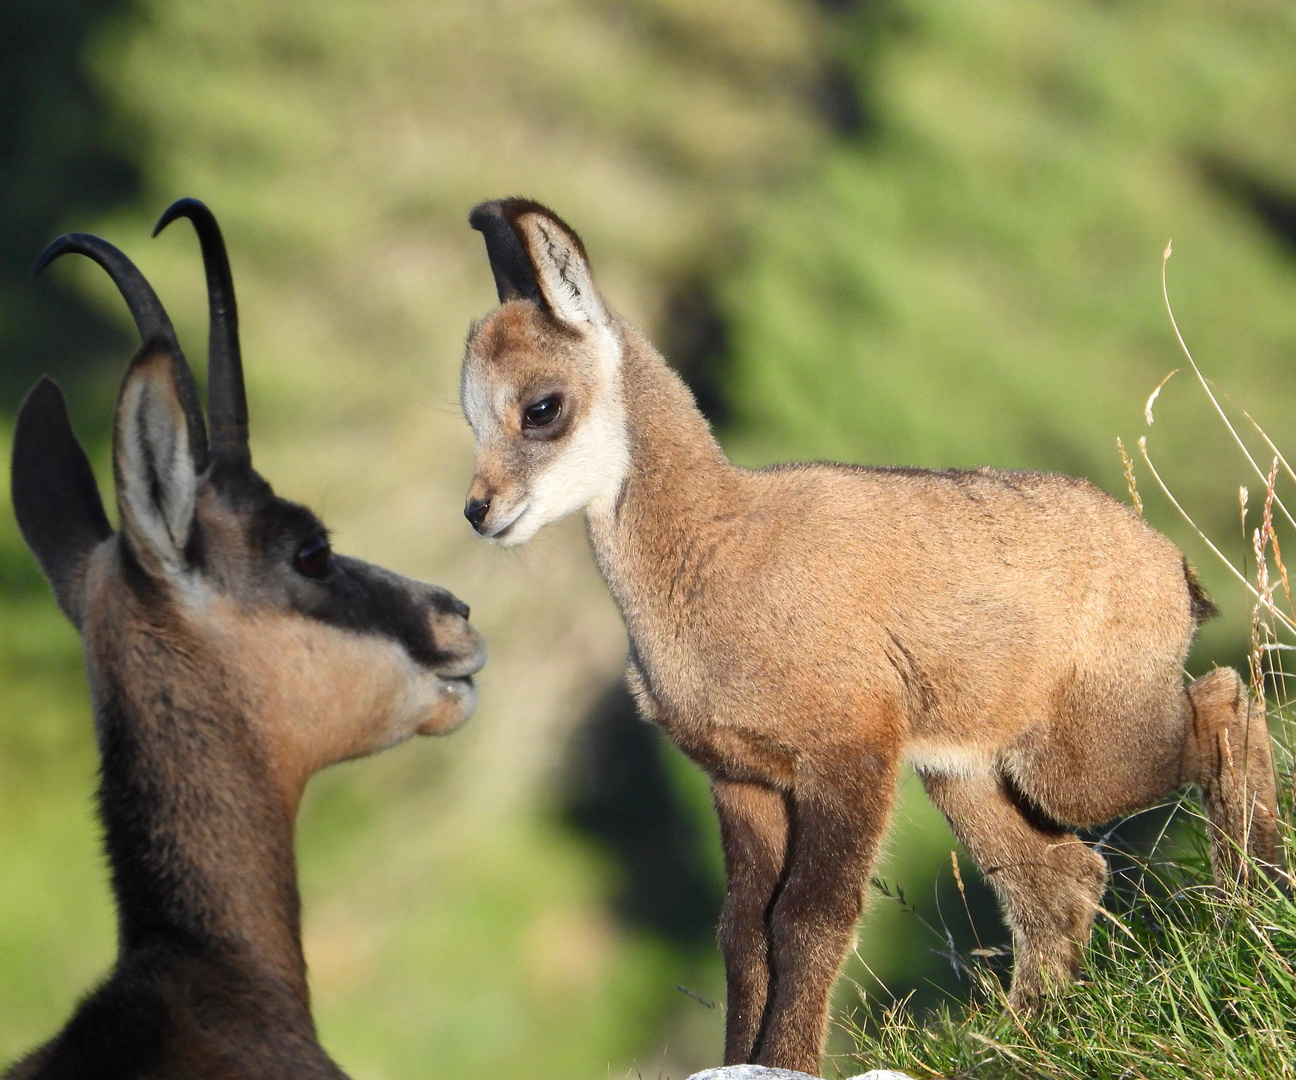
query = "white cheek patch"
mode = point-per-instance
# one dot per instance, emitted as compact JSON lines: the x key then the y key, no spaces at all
{"x":588,"y":466}
{"x":475,"y":399}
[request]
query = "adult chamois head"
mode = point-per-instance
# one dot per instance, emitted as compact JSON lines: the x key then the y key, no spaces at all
{"x":802,"y":631}
{"x":231,"y":655}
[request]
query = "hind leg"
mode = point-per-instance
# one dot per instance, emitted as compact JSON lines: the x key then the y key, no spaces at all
{"x":1048,"y":881}
{"x":1227,"y":754}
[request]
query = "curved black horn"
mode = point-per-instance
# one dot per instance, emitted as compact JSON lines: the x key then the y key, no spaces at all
{"x":150,"y":318}
{"x":226,"y":397}
{"x":149,"y":314}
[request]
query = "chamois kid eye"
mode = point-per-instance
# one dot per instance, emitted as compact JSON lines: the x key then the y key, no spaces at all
{"x":314,"y":558}
{"x":542,"y":413}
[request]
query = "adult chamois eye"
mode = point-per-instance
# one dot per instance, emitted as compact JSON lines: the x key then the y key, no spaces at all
{"x":542,"y":413}
{"x":314,"y":558}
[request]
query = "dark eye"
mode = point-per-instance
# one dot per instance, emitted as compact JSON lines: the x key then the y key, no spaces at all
{"x":314,"y":558}
{"x":542,"y":413}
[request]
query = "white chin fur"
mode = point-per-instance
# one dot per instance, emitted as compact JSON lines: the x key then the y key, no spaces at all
{"x":524,"y":527}
{"x":573,"y":482}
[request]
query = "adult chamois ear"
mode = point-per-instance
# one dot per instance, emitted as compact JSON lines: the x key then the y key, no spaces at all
{"x":536,"y":256}
{"x":55,"y":497}
{"x":153,"y":462}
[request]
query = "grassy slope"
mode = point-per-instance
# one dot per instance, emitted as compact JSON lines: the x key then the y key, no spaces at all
{"x":1181,"y":983}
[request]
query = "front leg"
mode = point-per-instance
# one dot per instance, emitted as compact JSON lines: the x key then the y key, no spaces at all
{"x":839,"y":808}
{"x":754,"y":833}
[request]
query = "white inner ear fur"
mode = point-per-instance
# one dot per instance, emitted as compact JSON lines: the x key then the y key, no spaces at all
{"x":561,"y":272}
{"x":158,"y":482}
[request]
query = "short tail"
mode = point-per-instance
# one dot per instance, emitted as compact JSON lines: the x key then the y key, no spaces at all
{"x":1203,"y":607}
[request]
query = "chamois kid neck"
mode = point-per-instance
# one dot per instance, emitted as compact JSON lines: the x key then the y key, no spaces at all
{"x":670,"y":439}
{"x":678,"y":480}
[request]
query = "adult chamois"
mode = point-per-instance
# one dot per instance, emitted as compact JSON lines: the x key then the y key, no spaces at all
{"x":231,"y":655}
{"x":800,"y":631}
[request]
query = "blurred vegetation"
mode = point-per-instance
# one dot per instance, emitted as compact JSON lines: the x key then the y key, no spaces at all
{"x":61,"y":154}
{"x":894,"y":231}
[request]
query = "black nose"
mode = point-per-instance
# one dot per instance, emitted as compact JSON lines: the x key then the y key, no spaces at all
{"x":476,"y":512}
{"x":445,"y":603}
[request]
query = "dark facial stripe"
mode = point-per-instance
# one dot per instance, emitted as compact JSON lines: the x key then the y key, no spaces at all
{"x":367,"y":599}
{"x":353,"y":595}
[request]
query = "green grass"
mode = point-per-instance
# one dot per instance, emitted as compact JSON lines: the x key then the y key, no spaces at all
{"x":1181,"y":981}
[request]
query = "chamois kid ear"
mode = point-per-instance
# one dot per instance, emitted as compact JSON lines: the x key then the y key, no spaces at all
{"x":536,"y":256}
{"x":55,"y":497}
{"x":153,"y":462}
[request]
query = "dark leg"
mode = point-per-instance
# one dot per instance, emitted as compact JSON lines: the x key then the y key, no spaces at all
{"x":1048,"y":881}
{"x":840,"y":806}
{"x":754,"y":832}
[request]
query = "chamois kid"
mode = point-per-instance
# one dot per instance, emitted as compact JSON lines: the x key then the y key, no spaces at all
{"x":801,"y":631}
{"x":231,"y":655}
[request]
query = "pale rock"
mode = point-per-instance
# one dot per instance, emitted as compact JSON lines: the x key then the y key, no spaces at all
{"x":762,"y":1072}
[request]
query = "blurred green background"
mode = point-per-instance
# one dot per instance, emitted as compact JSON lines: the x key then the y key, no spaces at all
{"x":898,"y":231}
